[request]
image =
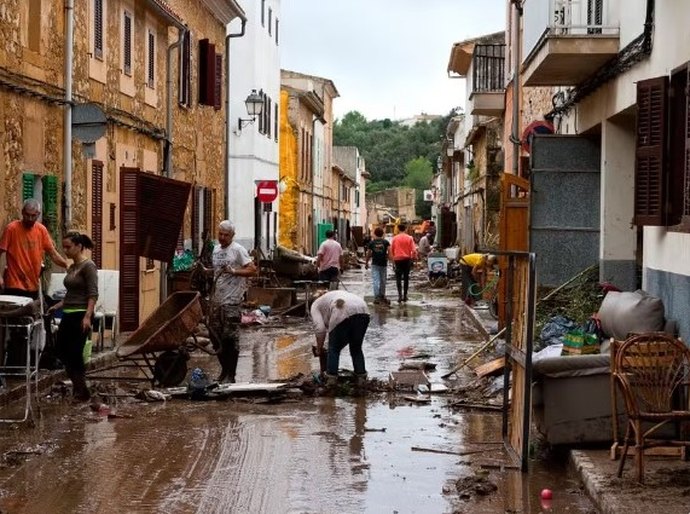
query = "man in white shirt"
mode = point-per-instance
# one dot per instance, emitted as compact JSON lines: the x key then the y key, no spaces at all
{"x":231,"y":267}
{"x":344,"y":317}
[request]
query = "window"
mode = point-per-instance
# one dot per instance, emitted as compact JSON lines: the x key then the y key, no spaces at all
{"x":277,"y":25}
{"x":203,"y":207}
{"x":151,"y":58}
{"x":262,"y":116}
{"x":43,"y":188}
{"x":97,"y":212}
{"x":268,"y":117}
{"x":263,"y":9}
{"x":185,"y":71}
{"x":662,"y":153}
{"x":98,"y":29}
{"x":275,"y":121}
{"x":34,"y":25}
{"x":270,"y":21}
{"x":127,"y":43}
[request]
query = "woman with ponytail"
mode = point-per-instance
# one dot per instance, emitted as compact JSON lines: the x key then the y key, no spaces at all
{"x":81,"y":283}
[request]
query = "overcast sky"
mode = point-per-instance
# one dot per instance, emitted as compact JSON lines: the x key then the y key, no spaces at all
{"x":387,"y":58}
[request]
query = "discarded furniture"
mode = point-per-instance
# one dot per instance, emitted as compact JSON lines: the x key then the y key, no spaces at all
{"x":571,"y":400}
{"x":651,"y":371}
{"x":23,"y":338}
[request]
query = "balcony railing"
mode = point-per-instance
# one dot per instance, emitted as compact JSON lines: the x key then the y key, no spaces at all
{"x":488,"y":68}
{"x":543,"y":18}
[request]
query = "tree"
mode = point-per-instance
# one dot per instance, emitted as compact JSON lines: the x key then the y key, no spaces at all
{"x":418,"y":175}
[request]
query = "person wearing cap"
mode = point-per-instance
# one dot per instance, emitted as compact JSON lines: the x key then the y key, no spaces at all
{"x":344,"y":318}
{"x":474,"y":267}
{"x":23,"y":245}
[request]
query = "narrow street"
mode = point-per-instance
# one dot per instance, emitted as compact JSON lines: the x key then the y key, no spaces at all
{"x":319,"y":454}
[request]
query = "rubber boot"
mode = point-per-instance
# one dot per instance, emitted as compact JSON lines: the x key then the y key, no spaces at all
{"x":80,"y":391}
{"x":228,"y":358}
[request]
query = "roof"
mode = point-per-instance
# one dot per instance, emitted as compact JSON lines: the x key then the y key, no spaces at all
{"x":166,"y":12}
{"x":296,"y":74}
{"x":225,"y":10}
{"x":461,"y":53}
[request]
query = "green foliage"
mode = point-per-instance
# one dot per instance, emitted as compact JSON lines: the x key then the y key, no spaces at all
{"x":388,"y":147}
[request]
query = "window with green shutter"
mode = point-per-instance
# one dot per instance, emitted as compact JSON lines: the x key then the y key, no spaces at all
{"x":28,"y":180}
{"x":50,"y":205}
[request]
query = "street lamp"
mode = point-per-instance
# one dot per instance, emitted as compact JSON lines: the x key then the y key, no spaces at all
{"x":255,"y":104}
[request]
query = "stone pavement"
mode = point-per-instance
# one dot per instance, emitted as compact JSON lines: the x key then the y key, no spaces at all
{"x":667,"y":479}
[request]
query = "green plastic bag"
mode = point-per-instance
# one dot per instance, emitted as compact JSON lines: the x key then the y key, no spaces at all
{"x":86,"y":353}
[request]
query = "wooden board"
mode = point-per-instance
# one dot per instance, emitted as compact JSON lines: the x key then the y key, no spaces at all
{"x":493,"y":367}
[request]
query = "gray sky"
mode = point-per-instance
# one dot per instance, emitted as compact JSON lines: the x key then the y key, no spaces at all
{"x":388,"y":58}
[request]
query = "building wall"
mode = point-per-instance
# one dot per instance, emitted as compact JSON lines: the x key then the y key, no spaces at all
{"x":289,"y":166}
{"x":32,"y":137}
{"x":664,"y":253}
{"x":255,"y":64}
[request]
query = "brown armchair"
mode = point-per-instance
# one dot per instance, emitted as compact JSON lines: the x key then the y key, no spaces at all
{"x":651,"y":371}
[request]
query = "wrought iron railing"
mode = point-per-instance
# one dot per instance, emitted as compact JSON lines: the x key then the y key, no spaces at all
{"x":488,"y":68}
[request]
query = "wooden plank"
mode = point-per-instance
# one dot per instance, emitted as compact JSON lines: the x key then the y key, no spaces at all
{"x":490,"y":368}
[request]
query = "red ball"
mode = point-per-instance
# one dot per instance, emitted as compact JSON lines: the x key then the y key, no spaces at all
{"x":546,"y":494}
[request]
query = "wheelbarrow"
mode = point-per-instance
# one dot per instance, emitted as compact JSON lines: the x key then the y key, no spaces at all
{"x":160,"y":347}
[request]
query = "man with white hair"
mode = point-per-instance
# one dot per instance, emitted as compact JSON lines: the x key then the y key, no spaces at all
{"x":231,"y":266}
{"x":23,"y":244}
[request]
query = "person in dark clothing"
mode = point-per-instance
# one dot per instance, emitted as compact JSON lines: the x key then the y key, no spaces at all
{"x":81,"y":283}
{"x":377,"y":252}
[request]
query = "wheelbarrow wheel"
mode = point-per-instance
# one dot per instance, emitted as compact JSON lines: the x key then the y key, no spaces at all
{"x":170,"y":368}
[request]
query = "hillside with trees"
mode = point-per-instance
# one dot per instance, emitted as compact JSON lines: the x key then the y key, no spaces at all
{"x":396,"y":155}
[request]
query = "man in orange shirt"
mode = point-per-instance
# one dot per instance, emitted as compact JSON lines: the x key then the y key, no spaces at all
{"x":402,"y":252}
{"x":24,"y":243}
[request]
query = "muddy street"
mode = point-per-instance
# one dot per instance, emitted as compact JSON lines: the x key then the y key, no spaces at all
{"x":379,"y":453}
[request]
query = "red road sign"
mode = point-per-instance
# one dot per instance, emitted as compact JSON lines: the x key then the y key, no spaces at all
{"x":267,"y":190}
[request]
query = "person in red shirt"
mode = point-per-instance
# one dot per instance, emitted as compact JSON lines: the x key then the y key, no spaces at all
{"x":403,"y":251}
{"x":24,"y":242}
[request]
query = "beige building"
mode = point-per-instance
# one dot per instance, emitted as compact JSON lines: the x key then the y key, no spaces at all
{"x":156,"y":70}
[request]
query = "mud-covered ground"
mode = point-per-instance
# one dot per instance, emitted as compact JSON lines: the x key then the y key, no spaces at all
{"x":302,"y":454}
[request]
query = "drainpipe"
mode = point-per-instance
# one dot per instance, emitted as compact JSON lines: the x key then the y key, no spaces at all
{"x":515,"y":131}
{"x":226,"y":179}
{"x":167,"y":164}
{"x":67,"y":113}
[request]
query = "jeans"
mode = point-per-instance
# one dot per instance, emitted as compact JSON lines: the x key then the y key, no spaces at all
{"x":378,"y":278}
{"x":402,"y":276}
{"x":225,"y":337}
{"x":348,"y":332}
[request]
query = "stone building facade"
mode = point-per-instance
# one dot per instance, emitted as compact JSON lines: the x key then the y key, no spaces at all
{"x":121,"y":52}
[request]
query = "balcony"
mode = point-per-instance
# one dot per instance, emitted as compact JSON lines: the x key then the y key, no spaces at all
{"x":566,"y":41}
{"x":488,"y":80}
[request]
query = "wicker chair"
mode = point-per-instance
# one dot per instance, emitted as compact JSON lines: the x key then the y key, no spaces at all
{"x":652,"y":373}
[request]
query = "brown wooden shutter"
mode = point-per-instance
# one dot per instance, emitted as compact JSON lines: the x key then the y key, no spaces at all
{"x":207,"y":72}
{"x":650,"y":152}
{"x":185,"y":90}
{"x":129,"y":256}
{"x":127,"y":58}
{"x":195,"y":220}
{"x":208,"y":211}
{"x":218,"y":87}
{"x":97,"y":212}
{"x":160,"y":215}
{"x":98,"y":29}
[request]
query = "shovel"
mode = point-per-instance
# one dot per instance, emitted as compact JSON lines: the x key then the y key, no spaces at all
{"x":322,"y":357}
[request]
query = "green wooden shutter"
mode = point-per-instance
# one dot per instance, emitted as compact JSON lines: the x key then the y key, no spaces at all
{"x":50,"y":205}
{"x":27,"y":186}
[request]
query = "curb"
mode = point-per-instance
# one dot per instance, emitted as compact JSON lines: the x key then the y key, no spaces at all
{"x":591,"y":477}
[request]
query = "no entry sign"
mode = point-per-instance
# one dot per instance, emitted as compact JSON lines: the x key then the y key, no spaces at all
{"x":267,"y":190}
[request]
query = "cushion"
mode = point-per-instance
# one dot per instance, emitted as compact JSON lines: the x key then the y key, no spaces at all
{"x":625,"y":312}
